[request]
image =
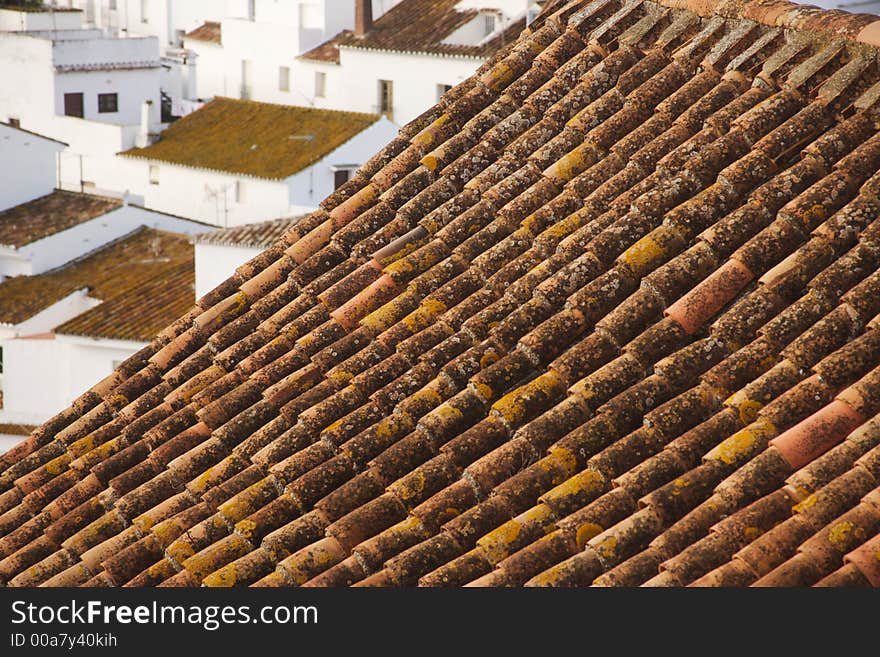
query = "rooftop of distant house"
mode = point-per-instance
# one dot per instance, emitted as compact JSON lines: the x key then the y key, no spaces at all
{"x":207,"y":31}
{"x":118,"y":269}
{"x":263,"y":140}
{"x":35,"y":7}
{"x":45,"y":216}
{"x":417,"y":26}
{"x":260,"y":235}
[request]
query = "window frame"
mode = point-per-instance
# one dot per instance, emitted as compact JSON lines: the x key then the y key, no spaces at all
{"x":82,"y":104}
{"x":105,"y":96}
{"x":284,"y":79}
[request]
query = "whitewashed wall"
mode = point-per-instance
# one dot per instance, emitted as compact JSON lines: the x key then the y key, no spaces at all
{"x":75,"y":363}
{"x":132,"y":86}
{"x":28,"y":164}
{"x":210,"y":70}
{"x":26,"y":66}
{"x":214,"y":264}
{"x":354,"y":84}
{"x":29,"y":396}
{"x":199,"y":194}
{"x":13,"y":21}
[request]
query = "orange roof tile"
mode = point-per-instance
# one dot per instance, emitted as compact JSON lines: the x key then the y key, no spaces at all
{"x":461,"y":370}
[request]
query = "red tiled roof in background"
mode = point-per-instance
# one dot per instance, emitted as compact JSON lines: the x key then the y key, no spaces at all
{"x":50,"y":214}
{"x":207,"y":31}
{"x":259,"y":235}
{"x":141,"y":311}
{"x":418,"y":26}
{"x":114,"y":270}
{"x":607,"y":315}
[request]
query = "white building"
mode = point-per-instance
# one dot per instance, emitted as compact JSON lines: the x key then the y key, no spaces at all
{"x":167,"y":20}
{"x":63,"y":18}
{"x":250,"y":52}
{"x":52,"y":230}
{"x":97,"y":94}
{"x":401,"y":64}
{"x":234,"y":162}
{"x":219,"y":253}
{"x":81,"y":320}
{"x":29,"y":165}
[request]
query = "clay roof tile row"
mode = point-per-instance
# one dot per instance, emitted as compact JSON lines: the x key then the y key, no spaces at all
{"x":606,"y":315}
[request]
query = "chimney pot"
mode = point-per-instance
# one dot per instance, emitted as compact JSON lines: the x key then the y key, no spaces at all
{"x":363,"y":17}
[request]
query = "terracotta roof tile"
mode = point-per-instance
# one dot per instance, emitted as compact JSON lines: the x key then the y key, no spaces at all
{"x":50,"y":214}
{"x":417,"y":26}
{"x":260,"y":235}
{"x":256,"y":139}
{"x":207,"y":31}
{"x":605,"y":315}
{"x":111,"y":274}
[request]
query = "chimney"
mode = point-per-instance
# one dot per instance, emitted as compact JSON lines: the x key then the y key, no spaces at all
{"x":143,"y":137}
{"x":363,"y":17}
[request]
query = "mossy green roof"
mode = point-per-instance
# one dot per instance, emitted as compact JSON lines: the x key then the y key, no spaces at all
{"x":256,"y":139}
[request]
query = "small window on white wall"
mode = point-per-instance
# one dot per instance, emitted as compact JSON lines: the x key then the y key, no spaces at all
{"x":145,"y":11}
{"x":488,"y":24}
{"x":240,"y":192}
{"x":283,"y":78}
{"x":320,"y":84}
{"x":154,"y":174}
{"x":442,"y":89}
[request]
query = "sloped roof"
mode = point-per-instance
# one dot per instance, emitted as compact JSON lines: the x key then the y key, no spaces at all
{"x":418,"y":26}
{"x":207,"y":31}
{"x":606,"y":315}
{"x":256,"y":139}
{"x":143,"y":310}
{"x":110,"y":271}
{"x":50,"y":214}
{"x":262,"y":234}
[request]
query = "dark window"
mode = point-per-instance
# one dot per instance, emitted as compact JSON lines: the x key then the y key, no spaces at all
{"x":108,"y":103}
{"x":386,"y":98}
{"x":73,"y":105}
{"x":340,"y":177}
{"x":15,"y":123}
{"x":441,"y":90}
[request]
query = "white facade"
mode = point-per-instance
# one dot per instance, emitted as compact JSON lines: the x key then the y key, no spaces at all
{"x":76,"y":363}
{"x":229,"y":199}
{"x":418,"y":80}
{"x":58,"y":249}
{"x":12,"y":20}
{"x":257,"y":58}
{"x":215,"y":263}
{"x":43,"y":67}
{"x":29,"y":165}
{"x":165,"y":19}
